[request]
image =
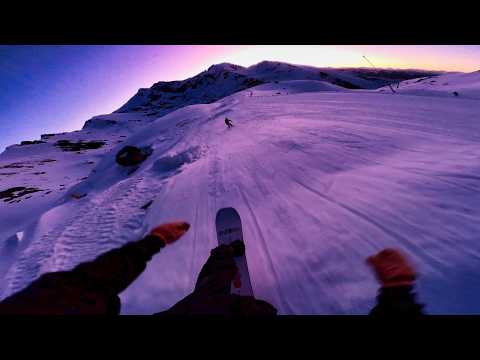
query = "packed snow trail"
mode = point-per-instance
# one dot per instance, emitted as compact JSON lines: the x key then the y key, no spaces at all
{"x":320,"y":180}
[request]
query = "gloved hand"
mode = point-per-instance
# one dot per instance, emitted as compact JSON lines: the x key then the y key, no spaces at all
{"x":170,"y":232}
{"x":238,"y":247}
{"x":392,"y":268}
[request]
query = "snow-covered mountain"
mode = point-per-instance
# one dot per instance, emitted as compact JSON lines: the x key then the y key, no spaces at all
{"x":211,"y":85}
{"x":350,"y":78}
{"x":225,"y":79}
{"x":321,"y":175}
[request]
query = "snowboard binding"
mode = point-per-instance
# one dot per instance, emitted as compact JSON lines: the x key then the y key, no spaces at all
{"x":238,"y":247}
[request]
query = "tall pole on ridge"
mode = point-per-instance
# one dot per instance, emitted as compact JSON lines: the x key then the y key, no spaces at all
{"x":390,"y":86}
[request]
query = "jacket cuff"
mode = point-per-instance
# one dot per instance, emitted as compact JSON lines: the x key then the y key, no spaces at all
{"x":156,"y":239}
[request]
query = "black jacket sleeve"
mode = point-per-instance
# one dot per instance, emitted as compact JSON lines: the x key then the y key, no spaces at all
{"x":116,"y":269}
{"x":90,"y":288}
{"x":397,"y":301}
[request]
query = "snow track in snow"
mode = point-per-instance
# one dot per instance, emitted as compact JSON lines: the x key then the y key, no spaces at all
{"x":93,"y":227}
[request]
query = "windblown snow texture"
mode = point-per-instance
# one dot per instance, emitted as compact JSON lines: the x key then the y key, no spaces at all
{"x":451,"y":84}
{"x":322,"y":176}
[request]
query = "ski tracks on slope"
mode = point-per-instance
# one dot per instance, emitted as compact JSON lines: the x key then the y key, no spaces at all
{"x":277,"y":285}
{"x":30,"y":263}
{"x":113,"y":221}
{"x":98,"y":226}
{"x":413,"y":248}
{"x":225,"y":190}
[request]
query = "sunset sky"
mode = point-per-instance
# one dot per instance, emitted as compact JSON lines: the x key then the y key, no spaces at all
{"x":57,"y":88}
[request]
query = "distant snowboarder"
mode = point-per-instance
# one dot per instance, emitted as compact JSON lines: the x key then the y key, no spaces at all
{"x":228,"y":122}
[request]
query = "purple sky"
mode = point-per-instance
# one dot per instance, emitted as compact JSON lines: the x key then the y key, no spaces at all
{"x":47,"y":89}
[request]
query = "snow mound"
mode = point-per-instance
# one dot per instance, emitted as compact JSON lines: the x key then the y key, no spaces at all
{"x":296,"y":87}
{"x":448,"y":85}
{"x":174,"y":162}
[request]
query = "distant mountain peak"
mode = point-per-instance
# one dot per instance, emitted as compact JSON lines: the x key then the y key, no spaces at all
{"x":269,"y":63}
{"x":224,"y":67}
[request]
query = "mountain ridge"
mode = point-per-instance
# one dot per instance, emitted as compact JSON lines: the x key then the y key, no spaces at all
{"x":223,"y":79}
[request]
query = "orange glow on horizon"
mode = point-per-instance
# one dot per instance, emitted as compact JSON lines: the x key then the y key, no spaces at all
{"x":447,"y":58}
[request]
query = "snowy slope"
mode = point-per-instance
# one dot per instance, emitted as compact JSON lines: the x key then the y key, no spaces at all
{"x":466,"y":85}
{"x":294,"y":87}
{"x":321,"y":180}
{"x":48,"y":170}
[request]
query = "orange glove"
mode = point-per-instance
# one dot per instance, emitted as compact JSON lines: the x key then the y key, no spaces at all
{"x":392,"y":268}
{"x":170,"y":232}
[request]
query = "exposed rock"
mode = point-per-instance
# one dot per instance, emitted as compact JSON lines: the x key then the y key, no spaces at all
{"x":16,"y":192}
{"x":147,"y":205}
{"x":67,"y":145}
{"x":26,"y":142}
{"x":132,"y":155}
{"x":78,"y":195}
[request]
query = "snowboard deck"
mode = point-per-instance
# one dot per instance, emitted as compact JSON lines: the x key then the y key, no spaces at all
{"x":229,"y":228}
